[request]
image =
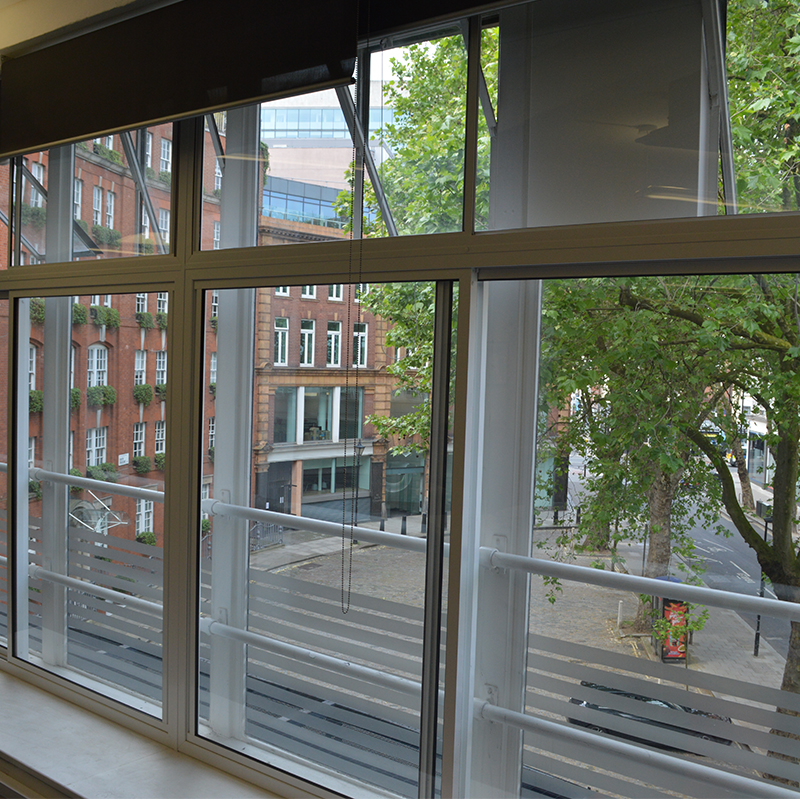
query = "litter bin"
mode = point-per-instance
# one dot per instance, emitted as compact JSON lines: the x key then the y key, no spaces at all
{"x":674,"y":647}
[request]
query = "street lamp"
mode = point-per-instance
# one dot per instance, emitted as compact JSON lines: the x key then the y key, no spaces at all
{"x":767,"y":520}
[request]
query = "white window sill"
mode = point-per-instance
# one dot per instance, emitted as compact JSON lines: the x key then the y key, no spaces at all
{"x":52,"y":748}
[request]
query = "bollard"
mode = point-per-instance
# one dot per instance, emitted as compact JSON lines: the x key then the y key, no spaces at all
{"x":403,"y":525}
{"x":383,"y":524}
{"x":578,"y":515}
{"x":424,"y":525}
{"x":555,"y":516}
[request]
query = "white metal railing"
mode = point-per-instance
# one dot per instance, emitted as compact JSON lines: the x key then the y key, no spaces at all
{"x":641,"y":756}
{"x":38,"y":474}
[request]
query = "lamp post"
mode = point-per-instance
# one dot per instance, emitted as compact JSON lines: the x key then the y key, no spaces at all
{"x":358,"y":450}
{"x":767,"y":520}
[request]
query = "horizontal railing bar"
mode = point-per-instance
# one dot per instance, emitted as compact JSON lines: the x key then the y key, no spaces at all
{"x":633,"y":583}
{"x":112,"y":595}
{"x":320,"y":526}
{"x":640,"y":756}
{"x":373,"y":676}
{"x":38,"y":474}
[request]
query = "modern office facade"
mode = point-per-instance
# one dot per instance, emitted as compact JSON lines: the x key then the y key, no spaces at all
{"x":401,"y":665}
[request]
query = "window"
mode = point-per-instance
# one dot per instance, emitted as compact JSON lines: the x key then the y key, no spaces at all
{"x":96,"y":446}
{"x":217,"y":177}
{"x":110,"y":198}
{"x":216,"y":234}
{"x":144,"y":516}
{"x":212,"y":431}
{"x":281,"y":341}
{"x":360,"y":290}
{"x":163,"y":223}
{"x":141,"y":302}
{"x":138,"y":439}
{"x":214,"y":303}
{"x":148,"y":149}
{"x":32,"y":353}
{"x":307,"y":342}
{"x":360,"y":344}
{"x":212,"y":367}
{"x":37,"y":198}
{"x":100,"y":299}
{"x":145,"y":223}
{"x":161,"y":436}
{"x":161,"y":367}
{"x":282,"y":291}
{"x":97,"y":365}
{"x":140,"y":368}
{"x":335,"y":291}
{"x":334,"y":344}
{"x":309,"y":292}
{"x":97,"y":205}
{"x":77,"y":198}
{"x":166,"y":155}
{"x":162,"y":302}
{"x":31,"y":452}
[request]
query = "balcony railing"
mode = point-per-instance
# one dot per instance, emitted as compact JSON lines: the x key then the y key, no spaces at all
{"x":345,"y":689}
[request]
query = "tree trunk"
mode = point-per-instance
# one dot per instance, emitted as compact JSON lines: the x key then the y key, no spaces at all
{"x":744,"y":475}
{"x":790,"y":683}
{"x":660,"y":496}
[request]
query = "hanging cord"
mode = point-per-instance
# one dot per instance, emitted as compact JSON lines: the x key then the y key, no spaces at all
{"x":348,"y":538}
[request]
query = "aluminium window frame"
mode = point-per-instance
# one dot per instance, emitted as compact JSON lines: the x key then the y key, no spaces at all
{"x":752,"y":244}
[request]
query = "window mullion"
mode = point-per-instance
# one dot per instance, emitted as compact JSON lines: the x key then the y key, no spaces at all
{"x":473,"y":42}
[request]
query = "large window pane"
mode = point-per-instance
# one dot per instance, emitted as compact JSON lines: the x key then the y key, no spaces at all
{"x":329,"y":667}
{"x":93,"y":420}
{"x":664,"y":445}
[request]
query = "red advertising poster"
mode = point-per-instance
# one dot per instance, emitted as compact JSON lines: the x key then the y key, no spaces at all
{"x":674,"y":646}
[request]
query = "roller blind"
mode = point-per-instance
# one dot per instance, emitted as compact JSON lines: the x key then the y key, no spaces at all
{"x":180,"y":60}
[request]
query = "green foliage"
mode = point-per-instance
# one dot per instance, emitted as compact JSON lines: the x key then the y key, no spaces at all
{"x":109,"y":237}
{"x":101,"y":396}
{"x":763,"y":60}
{"x":160,"y":460}
{"x":75,"y":471}
{"x":35,"y":401}
{"x":263,"y":151}
{"x":146,"y":246}
{"x":211,"y":454}
{"x":146,"y":537}
{"x":37,"y":311}
{"x":74,"y":397}
{"x":143,"y":394}
{"x":161,"y":391}
{"x":35,"y":490}
{"x":213,"y":321}
{"x":35,"y":216}
{"x":107,"y":153}
{"x":161,"y":320}
{"x":142,"y":464}
{"x":84,"y":225}
{"x":103,"y":472}
{"x":212,"y":387}
{"x":205,"y":526}
{"x":79,"y":314}
{"x":150,"y":173}
{"x":145,"y":320}
{"x":102,"y":315}
{"x":165,"y":176}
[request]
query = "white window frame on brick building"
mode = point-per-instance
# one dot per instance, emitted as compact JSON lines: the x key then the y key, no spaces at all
{"x":334,"y":344}
{"x":307,"y":329}
{"x":144,"y":516}
{"x":160,"y":436}
{"x":96,"y":439}
{"x":141,"y":302}
{"x":97,"y":205}
{"x":33,"y":352}
{"x":163,"y":223}
{"x":97,"y":365}
{"x":139,"y":367}
{"x":138,"y":438}
{"x":77,"y":198}
{"x":166,"y":155}
{"x":309,"y":292}
{"x":37,"y":198}
{"x":335,"y":291}
{"x":281,"y":349}
{"x":359,"y":344}
{"x":161,"y":367}
{"x":110,"y":203}
{"x":162,"y":302}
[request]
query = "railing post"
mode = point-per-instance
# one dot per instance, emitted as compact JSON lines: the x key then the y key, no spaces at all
{"x":232,"y":463}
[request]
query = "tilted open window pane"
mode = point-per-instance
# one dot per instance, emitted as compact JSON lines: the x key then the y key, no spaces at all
{"x":117,"y":201}
{"x":90,"y":493}
{"x":311,"y":629}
